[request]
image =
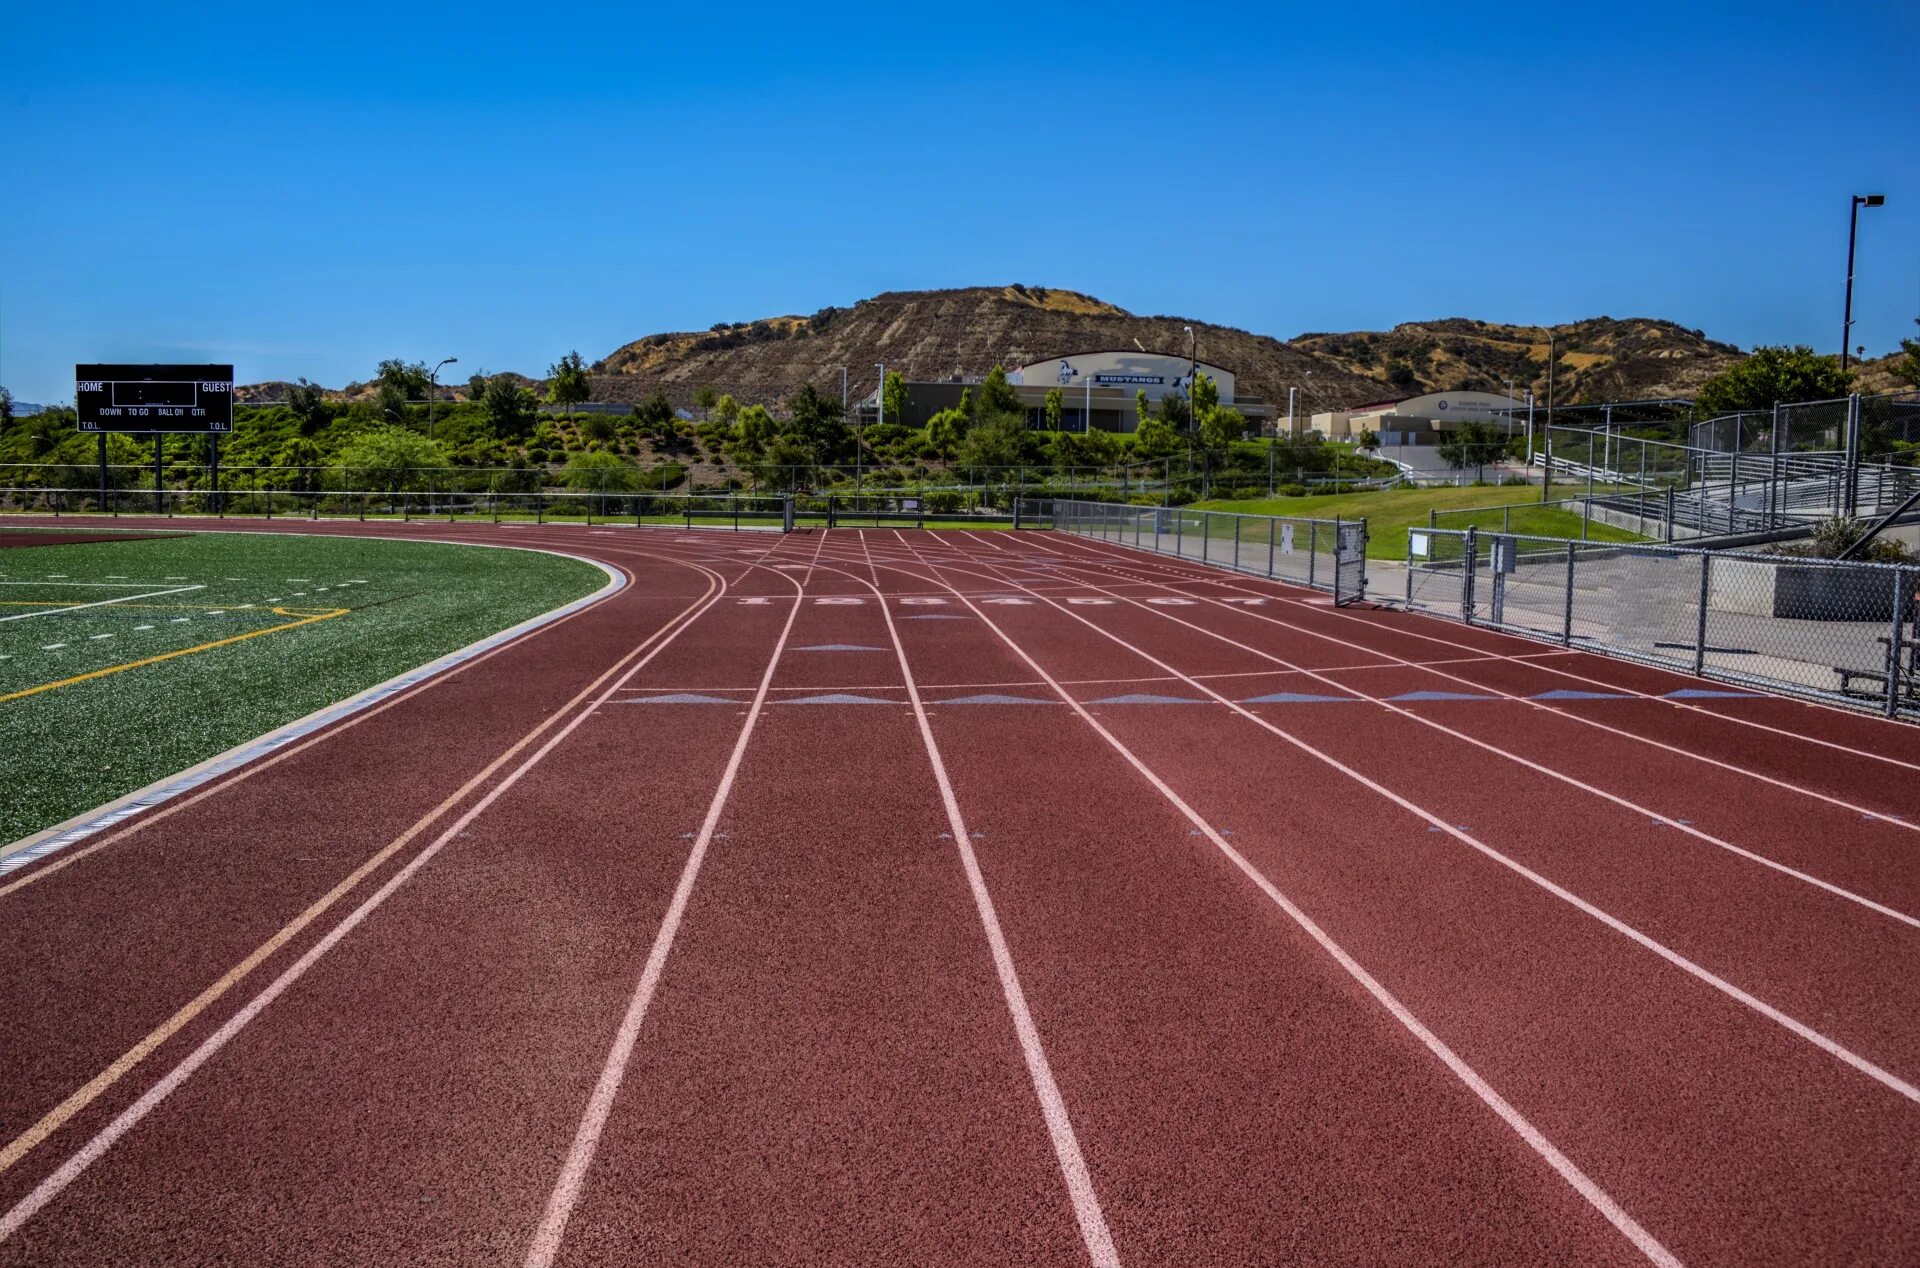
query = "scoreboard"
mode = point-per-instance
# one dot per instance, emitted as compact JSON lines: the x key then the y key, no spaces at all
{"x":154,"y":398}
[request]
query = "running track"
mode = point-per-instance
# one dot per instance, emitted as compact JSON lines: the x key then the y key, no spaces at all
{"x":947,"y":898}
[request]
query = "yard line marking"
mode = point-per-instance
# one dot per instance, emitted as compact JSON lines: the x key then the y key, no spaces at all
{"x":52,"y":1186}
{"x":1567,"y":1169}
{"x":50,"y":647}
{"x":572,"y":1180}
{"x":184,"y":651}
{"x":97,"y":637}
{"x":1053,"y":1105}
{"x":143,"y":627}
{"x":1832,"y":1047}
{"x":100,"y":603}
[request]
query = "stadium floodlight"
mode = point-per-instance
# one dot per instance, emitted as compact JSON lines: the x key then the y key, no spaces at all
{"x":1853,"y":233}
{"x":433,"y":387}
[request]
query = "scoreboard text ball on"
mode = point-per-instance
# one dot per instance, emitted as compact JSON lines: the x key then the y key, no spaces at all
{"x":154,"y":398}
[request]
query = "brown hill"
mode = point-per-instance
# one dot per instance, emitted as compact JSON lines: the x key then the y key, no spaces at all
{"x":936,"y":334}
{"x":1599,"y":359}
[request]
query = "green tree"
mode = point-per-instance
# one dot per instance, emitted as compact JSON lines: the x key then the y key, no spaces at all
{"x":815,"y":420}
{"x":1474,"y":444}
{"x":966,"y":403}
{"x":390,"y":403}
{"x":598,"y":429}
{"x":1221,"y":425}
{"x":946,"y":429}
{"x":654,"y":414}
{"x":600,"y":472}
{"x":389,"y":458}
{"x":1156,"y":439}
{"x":1055,"y":408}
{"x":6,"y":408}
{"x":476,"y":385}
{"x":409,"y":378}
{"x":1174,"y":411}
{"x":510,"y":407}
{"x":1141,"y":410}
{"x":997,"y":396}
{"x":893,"y":397}
{"x":308,"y":403}
{"x":997,"y":442}
{"x":705,"y":398}
{"x":1369,"y":440}
{"x":1206,"y":396}
{"x":1401,"y":375}
{"x":567,"y":383}
{"x":1774,"y":375}
{"x":754,"y":431}
{"x":1908,"y":367}
{"x":726,"y":410}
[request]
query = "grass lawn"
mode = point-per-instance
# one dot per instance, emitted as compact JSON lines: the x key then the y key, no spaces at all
{"x":241,"y":633}
{"x":1391,"y":512}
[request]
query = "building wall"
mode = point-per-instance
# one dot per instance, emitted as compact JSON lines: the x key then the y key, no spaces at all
{"x":1157,"y":374}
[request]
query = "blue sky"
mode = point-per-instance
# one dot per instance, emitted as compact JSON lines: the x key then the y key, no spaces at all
{"x":308,"y":189}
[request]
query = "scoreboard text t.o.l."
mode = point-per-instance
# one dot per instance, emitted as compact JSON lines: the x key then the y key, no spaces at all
{"x":154,"y":398}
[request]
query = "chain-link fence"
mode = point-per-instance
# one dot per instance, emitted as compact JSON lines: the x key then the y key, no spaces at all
{"x":1324,"y":554}
{"x":1840,"y":632}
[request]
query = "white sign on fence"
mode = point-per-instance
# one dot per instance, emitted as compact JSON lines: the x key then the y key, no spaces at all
{"x":1417,"y":543}
{"x":1286,"y":539}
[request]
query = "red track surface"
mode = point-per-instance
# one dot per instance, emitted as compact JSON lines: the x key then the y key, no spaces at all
{"x":531,"y":967}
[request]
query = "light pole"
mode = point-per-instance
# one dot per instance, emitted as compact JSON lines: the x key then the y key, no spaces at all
{"x":1529,"y":429}
{"x":1853,"y":232}
{"x":433,"y":387}
{"x":880,"y":397}
{"x":1086,"y":409}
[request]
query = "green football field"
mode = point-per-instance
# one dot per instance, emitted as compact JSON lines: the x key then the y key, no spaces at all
{"x":122,"y":662}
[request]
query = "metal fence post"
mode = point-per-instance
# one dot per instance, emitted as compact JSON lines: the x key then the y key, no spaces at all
{"x":1410,"y":568}
{"x":1471,"y":562}
{"x":1893,"y":641}
{"x":1566,"y":617}
{"x":1313,"y":551}
{"x":1236,"y":543}
{"x":1179,"y":528}
{"x":1273,"y":530}
{"x":1700,"y":630}
{"x":1206,"y":537}
{"x":1669,"y":535}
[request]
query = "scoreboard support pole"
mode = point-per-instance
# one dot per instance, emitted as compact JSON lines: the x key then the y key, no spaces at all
{"x":159,"y":495}
{"x":103,"y":472}
{"x":213,"y":460}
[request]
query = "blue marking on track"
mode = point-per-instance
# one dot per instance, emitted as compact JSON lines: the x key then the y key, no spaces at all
{"x":991,"y":698}
{"x":681,"y":697}
{"x":1566,"y":694}
{"x":839,"y":697}
{"x":1143,"y":698}
{"x":1297,"y":697}
{"x":1441,"y":695}
{"x":1702,"y":693}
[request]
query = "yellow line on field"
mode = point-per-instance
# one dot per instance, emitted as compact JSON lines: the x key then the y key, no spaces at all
{"x":184,"y":651}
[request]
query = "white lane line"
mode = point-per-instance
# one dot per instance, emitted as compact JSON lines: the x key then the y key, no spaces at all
{"x":572,"y":1180}
{"x":1532,"y":658}
{"x":1053,"y":1106}
{"x":52,"y":647}
{"x":56,"y":1183}
{"x":1832,"y":1047}
{"x":179,"y":620}
{"x":100,"y":603}
{"x":1135,"y":558}
{"x":1571,"y":781}
{"x":143,"y":627}
{"x":97,"y":637}
{"x":1568,"y":1170}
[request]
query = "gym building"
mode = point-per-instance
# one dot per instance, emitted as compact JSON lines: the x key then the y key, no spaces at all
{"x":1422,"y":420}
{"x":1097,"y":391}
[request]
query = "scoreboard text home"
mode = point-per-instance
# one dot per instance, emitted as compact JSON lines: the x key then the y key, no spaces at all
{"x":154,"y":398}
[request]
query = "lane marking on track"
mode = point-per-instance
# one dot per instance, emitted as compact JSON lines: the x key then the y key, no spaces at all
{"x":1106,"y":556}
{"x":1094,"y":1232}
{"x":175,"y":655}
{"x":1568,"y":1170}
{"x":97,"y":1146}
{"x":1537,"y":703}
{"x":100,"y":603}
{"x":572,"y":1180}
{"x":1793,"y":1025}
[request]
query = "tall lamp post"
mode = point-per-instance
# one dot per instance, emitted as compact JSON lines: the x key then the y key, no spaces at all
{"x":880,"y":400}
{"x":433,"y":387}
{"x":1853,"y":232}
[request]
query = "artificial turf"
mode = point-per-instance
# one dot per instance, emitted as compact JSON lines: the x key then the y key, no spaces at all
{"x":66,"y":749}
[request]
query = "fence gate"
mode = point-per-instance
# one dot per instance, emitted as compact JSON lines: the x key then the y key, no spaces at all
{"x":1349,"y":562}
